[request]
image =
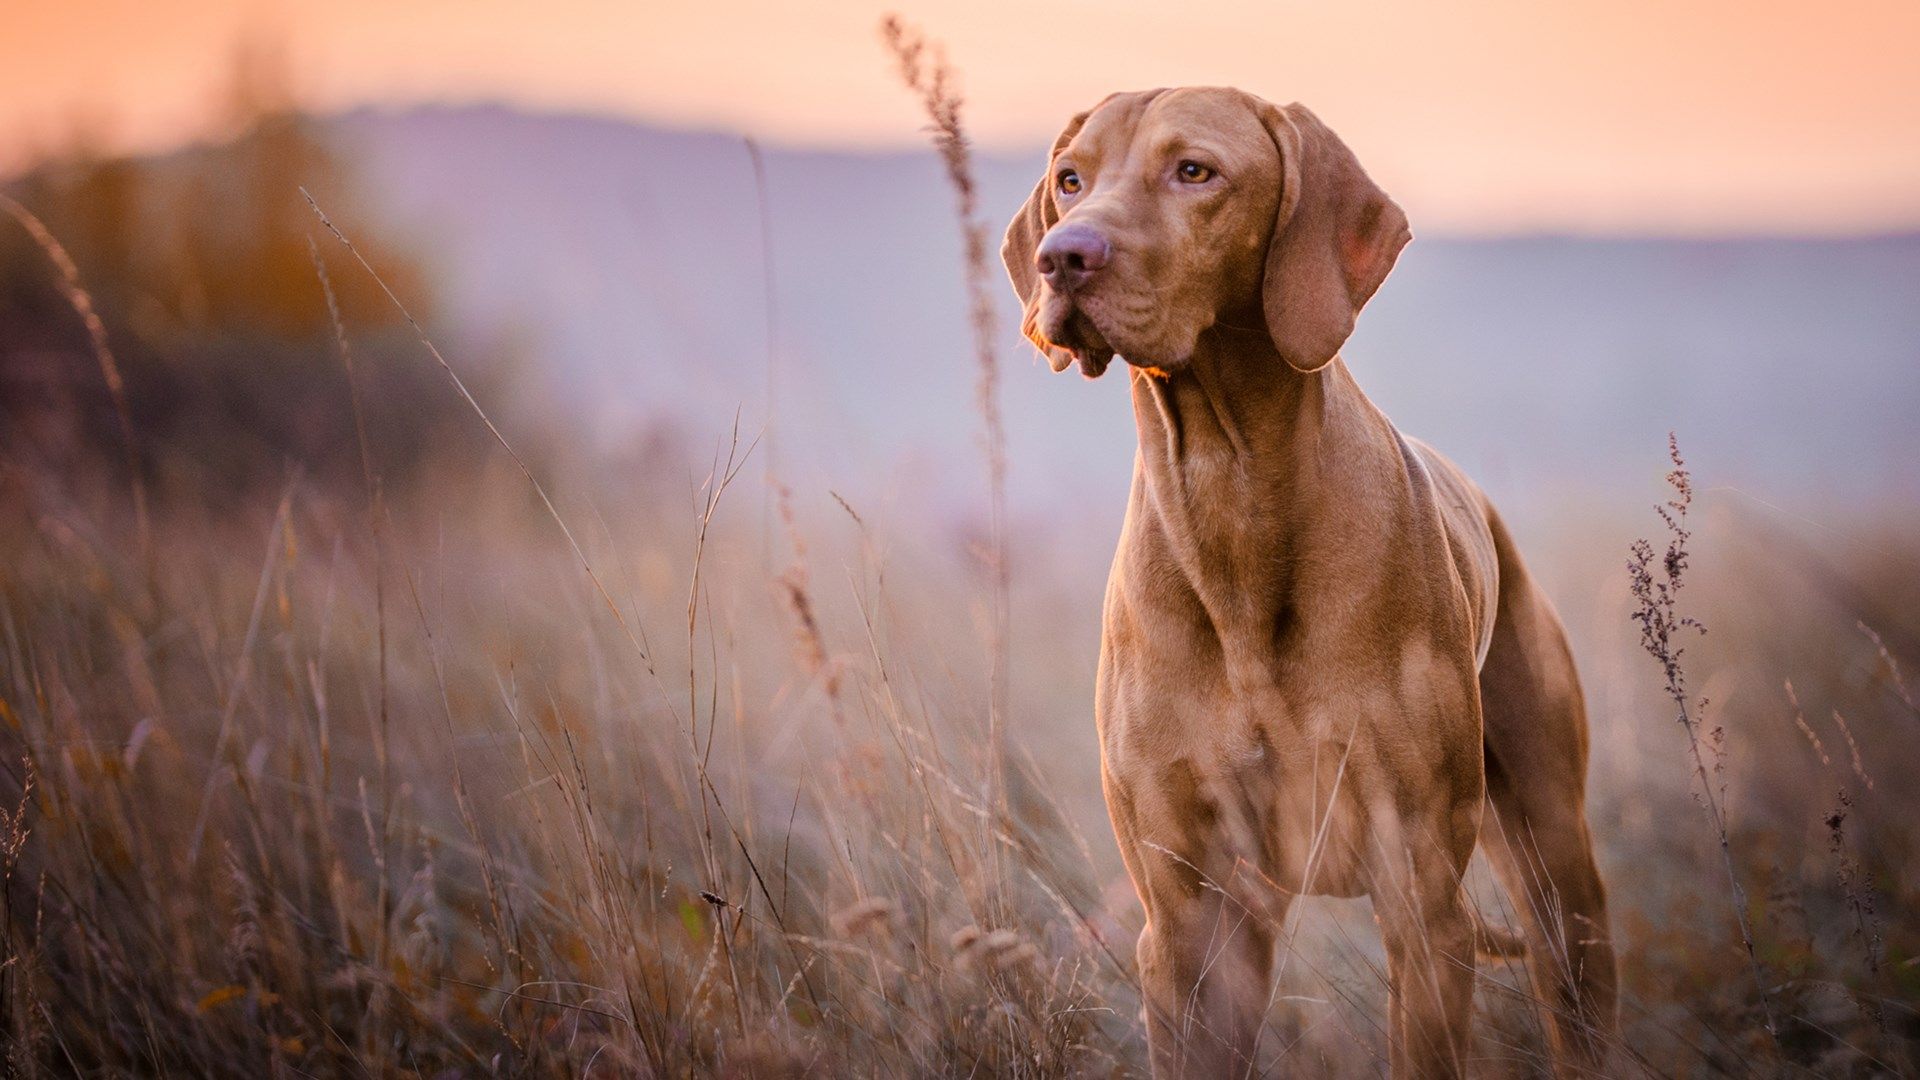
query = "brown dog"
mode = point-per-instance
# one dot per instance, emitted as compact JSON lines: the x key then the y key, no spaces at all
{"x":1322,"y":654}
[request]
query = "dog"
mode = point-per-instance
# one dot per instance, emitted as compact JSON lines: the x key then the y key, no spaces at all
{"x":1324,"y":669}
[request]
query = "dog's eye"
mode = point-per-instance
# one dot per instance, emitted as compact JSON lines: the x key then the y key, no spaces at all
{"x":1069,"y":182}
{"x":1192,"y":172}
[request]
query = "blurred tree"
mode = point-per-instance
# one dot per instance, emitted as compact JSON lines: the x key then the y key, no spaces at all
{"x":200,"y":266}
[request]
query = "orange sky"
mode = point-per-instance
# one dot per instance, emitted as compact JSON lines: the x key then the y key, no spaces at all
{"x":1604,"y":115}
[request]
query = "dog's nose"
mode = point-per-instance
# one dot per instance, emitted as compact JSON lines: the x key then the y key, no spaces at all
{"x":1070,"y":254}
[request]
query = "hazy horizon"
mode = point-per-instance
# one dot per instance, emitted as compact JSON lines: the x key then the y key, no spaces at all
{"x":1538,"y":361}
{"x":1491,"y":116}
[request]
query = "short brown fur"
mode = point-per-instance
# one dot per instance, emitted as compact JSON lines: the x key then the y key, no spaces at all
{"x":1322,"y":655}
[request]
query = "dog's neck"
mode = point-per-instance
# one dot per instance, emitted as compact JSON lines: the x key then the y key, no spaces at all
{"x":1234,"y":396}
{"x":1249,"y":469}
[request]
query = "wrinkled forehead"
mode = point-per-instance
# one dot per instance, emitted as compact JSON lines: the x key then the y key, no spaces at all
{"x":1212,"y":118}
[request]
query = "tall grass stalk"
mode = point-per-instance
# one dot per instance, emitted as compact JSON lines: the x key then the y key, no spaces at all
{"x":924,"y":70}
{"x":374,"y":491}
{"x":82,"y":303}
{"x":1655,"y":579}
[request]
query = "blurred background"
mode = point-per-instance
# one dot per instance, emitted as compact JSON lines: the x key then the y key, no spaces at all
{"x":652,"y":240}
{"x":1629,"y":219}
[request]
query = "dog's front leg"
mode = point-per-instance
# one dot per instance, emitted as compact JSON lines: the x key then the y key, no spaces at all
{"x":1428,"y":933}
{"x":1205,"y":967}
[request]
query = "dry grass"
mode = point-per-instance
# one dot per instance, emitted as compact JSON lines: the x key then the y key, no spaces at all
{"x":471,"y":830}
{"x":552,"y":858}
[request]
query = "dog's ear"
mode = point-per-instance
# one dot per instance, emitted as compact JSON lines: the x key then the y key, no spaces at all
{"x":1334,"y":238}
{"x":1023,"y":239}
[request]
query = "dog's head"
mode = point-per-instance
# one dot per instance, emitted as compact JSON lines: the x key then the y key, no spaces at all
{"x":1164,"y":212}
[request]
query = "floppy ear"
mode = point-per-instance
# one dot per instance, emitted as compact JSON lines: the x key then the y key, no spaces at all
{"x":1334,"y":239}
{"x":1023,"y":239}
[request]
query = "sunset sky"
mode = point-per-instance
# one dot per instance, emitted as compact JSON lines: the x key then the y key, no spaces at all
{"x":1602,"y":115}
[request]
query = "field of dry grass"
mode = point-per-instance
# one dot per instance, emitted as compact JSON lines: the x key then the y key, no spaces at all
{"x":686,"y":773}
{"x":315,"y":787}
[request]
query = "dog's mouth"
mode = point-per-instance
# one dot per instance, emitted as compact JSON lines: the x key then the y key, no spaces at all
{"x":1074,"y":339}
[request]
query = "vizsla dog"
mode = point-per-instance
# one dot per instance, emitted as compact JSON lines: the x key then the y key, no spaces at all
{"x":1322,"y":656}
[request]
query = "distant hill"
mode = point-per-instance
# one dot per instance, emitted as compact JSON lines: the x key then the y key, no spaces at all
{"x":631,"y":257}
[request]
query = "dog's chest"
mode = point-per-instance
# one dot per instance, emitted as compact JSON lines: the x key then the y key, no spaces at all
{"x":1216,"y":539}
{"x":1277,"y":808}
{"x":1270,"y":761}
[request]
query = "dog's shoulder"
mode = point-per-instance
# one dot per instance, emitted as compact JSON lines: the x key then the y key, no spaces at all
{"x":1466,"y":514}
